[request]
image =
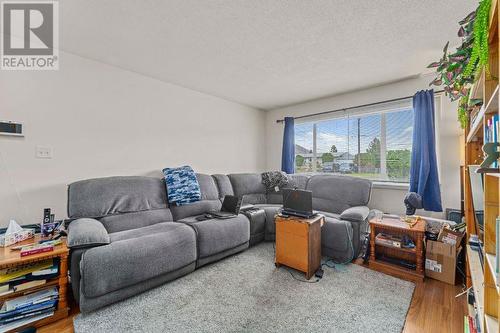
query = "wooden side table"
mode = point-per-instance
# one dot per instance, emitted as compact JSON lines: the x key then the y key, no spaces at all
{"x":298,"y":243}
{"x":10,"y":258}
{"x":415,"y":255}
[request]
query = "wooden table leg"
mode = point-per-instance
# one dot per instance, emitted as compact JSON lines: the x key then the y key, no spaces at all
{"x":63,"y":282}
{"x":372,"y":243}
{"x":420,"y":259}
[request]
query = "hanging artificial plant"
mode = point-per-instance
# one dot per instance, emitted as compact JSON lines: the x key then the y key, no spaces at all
{"x":458,"y":70}
{"x":480,"y":49}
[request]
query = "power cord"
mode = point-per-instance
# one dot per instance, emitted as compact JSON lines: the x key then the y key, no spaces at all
{"x":301,"y":280}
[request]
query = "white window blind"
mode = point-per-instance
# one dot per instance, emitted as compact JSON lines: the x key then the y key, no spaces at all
{"x":371,"y":142}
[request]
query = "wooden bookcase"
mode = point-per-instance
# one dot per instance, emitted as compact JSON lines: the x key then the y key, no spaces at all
{"x":483,"y":278}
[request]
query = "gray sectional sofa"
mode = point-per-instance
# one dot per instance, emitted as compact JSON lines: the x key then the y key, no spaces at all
{"x":125,"y":239}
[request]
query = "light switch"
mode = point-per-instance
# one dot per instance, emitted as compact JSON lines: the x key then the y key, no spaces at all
{"x":43,"y":152}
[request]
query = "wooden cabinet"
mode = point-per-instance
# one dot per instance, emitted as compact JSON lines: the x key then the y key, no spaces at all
{"x":298,"y":243}
{"x":416,"y":255}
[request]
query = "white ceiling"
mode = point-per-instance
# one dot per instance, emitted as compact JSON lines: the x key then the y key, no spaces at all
{"x":264,"y":53}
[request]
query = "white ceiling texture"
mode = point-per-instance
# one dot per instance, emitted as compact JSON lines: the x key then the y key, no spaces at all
{"x":264,"y":53}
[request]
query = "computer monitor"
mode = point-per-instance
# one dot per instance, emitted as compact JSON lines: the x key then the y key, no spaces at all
{"x":297,"y":201}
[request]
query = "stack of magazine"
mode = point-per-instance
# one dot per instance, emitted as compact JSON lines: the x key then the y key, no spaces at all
{"x":23,"y":310}
{"x":28,"y":296}
{"x":27,"y":276}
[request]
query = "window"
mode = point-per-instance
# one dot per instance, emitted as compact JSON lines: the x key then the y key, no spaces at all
{"x":373,"y":143}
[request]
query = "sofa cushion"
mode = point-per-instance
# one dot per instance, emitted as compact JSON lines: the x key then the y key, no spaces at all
{"x":218,"y":235}
{"x":223,"y":185}
{"x":87,"y":232}
{"x":333,"y":193}
{"x":119,"y":222}
{"x":249,"y":187}
{"x":355,"y":214}
{"x":195,"y":208}
{"x":135,"y":256}
{"x":209,"y":199}
{"x":182,"y":185}
{"x":114,"y":195}
{"x":294,"y":181}
{"x":208,"y":187}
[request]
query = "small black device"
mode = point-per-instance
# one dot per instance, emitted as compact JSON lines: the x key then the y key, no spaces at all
{"x":230,"y":207}
{"x":319,"y":273}
{"x":297,"y":203}
{"x":46,"y":215}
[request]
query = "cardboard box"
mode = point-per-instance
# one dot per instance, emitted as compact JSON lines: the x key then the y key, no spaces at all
{"x":441,"y":261}
{"x":450,"y":237}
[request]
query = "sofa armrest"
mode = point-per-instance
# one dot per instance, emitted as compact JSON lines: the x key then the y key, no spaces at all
{"x":355,"y":214}
{"x":86,"y":232}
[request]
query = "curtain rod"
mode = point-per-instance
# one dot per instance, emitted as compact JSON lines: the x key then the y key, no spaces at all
{"x":353,"y":107}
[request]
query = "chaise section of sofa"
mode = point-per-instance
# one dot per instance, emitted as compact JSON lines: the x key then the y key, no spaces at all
{"x":343,"y":200}
{"x":123,"y":240}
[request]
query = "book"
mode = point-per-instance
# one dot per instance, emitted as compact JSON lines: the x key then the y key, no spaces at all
{"x":26,"y":315}
{"x":388,"y":240}
{"x":21,"y":322}
{"x":29,"y":309}
{"x":10,"y":274}
{"x":35,"y":249}
{"x":30,"y":299}
{"x":10,"y":291}
{"x":29,"y":284}
{"x":47,"y":271}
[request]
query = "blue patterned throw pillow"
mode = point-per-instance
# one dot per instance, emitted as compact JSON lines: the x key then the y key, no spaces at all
{"x":182,"y":185}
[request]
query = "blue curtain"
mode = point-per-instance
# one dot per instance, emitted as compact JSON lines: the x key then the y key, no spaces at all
{"x":423,"y":170}
{"x":288,"y":152}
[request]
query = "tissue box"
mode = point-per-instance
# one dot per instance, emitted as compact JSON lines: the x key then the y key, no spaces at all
{"x":16,"y":237}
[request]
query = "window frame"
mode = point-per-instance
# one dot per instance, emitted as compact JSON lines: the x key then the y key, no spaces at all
{"x":377,"y":109}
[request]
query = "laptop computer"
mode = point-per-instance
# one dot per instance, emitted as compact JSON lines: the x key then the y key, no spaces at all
{"x":230,"y":207}
{"x":297,"y":203}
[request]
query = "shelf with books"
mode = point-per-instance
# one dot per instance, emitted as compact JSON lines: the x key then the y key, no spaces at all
{"x":478,"y":123}
{"x":24,"y":277}
{"x":50,"y":283}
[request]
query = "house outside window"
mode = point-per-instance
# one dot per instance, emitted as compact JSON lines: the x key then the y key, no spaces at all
{"x":372,"y":142}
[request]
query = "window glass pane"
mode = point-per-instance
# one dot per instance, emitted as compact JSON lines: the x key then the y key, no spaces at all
{"x":332,"y":144}
{"x":303,"y":147}
{"x":399,"y":143}
{"x":365,"y":146}
{"x":375,"y":145}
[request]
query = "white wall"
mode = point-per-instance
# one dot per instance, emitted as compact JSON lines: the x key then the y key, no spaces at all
{"x":383,"y":198}
{"x":102,"y":121}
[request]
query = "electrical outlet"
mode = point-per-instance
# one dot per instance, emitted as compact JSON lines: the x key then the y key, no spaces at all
{"x":43,"y":152}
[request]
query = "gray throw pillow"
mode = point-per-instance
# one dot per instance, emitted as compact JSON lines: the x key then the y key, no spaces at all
{"x":87,"y":232}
